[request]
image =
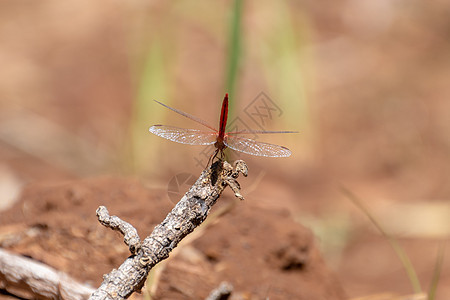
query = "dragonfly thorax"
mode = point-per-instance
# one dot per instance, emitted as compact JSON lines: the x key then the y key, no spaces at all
{"x":219,"y":144}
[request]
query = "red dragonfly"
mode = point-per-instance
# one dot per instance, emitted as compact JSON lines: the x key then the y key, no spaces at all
{"x":219,"y":138}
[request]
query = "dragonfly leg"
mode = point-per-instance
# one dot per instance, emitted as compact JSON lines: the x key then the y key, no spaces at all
{"x":211,"y":158}
{"x":222,"y":155}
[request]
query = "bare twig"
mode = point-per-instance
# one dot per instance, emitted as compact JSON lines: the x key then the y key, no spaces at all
{"x":189,"y":213}
{"x":130,"y":235}
{"x":25,"y":277}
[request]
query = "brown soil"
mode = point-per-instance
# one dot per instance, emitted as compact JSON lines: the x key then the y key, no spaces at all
{"x":261,"y":252}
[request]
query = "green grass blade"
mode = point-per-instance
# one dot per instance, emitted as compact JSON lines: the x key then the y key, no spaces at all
{"x":401,"y":254}
{"x":234,"y":48}
{"x":437,"y":272}
{"x":152,"y":82}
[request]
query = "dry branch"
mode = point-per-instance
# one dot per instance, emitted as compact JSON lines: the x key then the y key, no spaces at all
{"x":189,"y":213}
{"x":130,"y":235}
{"x":25,"y":277}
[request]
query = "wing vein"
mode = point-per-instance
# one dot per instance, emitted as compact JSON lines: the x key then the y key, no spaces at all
{"x":189,"y":116}
{"x":257,"y":148}
{"x":184,"y":135}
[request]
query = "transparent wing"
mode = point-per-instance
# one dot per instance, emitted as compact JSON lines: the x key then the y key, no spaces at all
{"x":256,"y":148}
{"x":245,"y":131}
{"x":185,"y":114}
{"x":183,"y":135}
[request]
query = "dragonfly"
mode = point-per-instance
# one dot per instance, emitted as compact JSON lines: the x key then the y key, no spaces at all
{"x":221,"y":139}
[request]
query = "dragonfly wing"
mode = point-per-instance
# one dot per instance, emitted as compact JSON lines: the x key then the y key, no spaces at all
{"x":253,"y":147}
{"x":185,"y":114}
{"x":245,"y":131}
{"x":183,"y":135}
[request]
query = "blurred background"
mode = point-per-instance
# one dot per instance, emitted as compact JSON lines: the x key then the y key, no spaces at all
{"x":366,"y":84}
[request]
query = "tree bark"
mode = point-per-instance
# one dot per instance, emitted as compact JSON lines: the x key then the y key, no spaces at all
{"x":189,"y":213}
{"x":27,"y":278}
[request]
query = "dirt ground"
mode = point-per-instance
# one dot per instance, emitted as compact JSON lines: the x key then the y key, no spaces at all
{"x":364,"y":82}
{"x":261,"y":252}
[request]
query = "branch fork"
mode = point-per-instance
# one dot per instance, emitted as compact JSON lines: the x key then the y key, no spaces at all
{"x":188,"y":213}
